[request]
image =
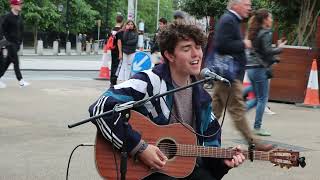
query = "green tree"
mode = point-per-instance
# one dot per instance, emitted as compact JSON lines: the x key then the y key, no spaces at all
{"x":147,"y":12}
{"x":82,"y":16}
{"x":202,"y":8}
{"x":40,"y":15}
{"x":4,"y":6}
{"x":297,"y":18}
{"x":300,"y":19}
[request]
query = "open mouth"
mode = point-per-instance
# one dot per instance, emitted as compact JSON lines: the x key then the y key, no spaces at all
{"x":194,"y":62}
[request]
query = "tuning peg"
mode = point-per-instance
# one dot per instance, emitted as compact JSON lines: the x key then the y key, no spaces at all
{"x":302,"y":162}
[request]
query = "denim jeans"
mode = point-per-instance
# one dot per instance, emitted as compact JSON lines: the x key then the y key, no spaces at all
{"x":260,"y":86}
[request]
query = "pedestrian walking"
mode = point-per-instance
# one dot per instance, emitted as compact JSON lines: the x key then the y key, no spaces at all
{"x":228,"y":41}
{"x":155,"y":50}
{"x":260,"y":59}
{"x":12,"y":30}
{"x":128,"y":39}
{"x":115,"y":50}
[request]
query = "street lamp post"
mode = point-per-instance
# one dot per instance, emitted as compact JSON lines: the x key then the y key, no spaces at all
{"x":60,"y":9}
{"x":67,"y":19}
{"x":158,"y":12}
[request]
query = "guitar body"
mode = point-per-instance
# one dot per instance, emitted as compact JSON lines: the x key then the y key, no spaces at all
{"x":177,"y":166}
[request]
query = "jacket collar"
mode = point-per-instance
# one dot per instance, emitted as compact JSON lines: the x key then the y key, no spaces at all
{"x":200,"y":95}
{"x":235,"y":14}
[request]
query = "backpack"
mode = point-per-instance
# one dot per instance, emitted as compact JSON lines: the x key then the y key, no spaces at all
{"x":111,"y":42}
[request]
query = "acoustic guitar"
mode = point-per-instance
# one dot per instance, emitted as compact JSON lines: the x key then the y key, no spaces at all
{"x":180,"y":146}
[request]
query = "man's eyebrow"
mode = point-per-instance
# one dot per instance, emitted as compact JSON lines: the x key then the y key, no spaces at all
{"x":188,"y":45}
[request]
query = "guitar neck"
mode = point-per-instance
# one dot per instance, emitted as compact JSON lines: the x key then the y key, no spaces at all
{"x":214,"y":152}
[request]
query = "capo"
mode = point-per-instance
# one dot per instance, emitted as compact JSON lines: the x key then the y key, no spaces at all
{"x":302,"y":162}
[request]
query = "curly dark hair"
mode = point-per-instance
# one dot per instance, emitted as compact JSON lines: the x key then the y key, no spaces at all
{"x":175,"y":32}
{"x":256,"y":21}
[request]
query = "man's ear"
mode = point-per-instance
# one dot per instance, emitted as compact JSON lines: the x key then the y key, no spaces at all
{"x":169,"y":56}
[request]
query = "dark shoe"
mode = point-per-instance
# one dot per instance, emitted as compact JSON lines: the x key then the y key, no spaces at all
{"x":264,"y":147}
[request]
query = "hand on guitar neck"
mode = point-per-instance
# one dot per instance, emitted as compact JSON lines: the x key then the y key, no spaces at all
{"x":154,"y":158}
{"x":236,"y":160}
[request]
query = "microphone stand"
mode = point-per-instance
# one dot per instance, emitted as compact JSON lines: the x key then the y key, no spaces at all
{"x":124,"y":111}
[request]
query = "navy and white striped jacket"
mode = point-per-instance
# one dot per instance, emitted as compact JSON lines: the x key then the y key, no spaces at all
{"x":146,"y":84}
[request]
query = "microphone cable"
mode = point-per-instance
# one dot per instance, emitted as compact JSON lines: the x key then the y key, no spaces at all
{"x":192,"y":130}
{"x":80,"y":145}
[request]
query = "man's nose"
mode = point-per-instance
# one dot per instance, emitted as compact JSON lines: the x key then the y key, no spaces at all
{"x":195,"y":52}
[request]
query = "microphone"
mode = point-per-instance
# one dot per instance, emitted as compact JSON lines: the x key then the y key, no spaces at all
{"x":206,"y":72}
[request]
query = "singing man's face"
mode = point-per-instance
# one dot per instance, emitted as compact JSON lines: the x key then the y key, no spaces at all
{"x":186,"y":58}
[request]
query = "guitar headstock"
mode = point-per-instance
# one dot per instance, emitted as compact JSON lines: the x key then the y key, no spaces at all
{"x":286,"y":158}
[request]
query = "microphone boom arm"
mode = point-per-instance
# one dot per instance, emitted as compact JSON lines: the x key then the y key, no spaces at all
{"x":134,"y":104}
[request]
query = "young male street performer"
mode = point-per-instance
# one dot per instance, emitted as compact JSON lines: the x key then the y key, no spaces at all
{"x":180,"y":45}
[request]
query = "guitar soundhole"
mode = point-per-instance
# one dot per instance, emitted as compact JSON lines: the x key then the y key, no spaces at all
{"x":168,"y":147}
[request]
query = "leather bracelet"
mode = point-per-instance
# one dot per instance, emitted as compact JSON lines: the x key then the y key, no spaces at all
{"x":143,"y":147}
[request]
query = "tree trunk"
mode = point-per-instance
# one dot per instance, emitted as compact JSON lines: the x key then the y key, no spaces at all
{"x":35,"y":38}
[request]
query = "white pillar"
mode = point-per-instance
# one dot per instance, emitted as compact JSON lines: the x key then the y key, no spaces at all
{"x":158,"y":12}
{"x":140,"y":37}
{"x":68,"y":48}
{"x":20,"y":53}
{"x":95,"y":48}
{"x":40,"y":48}
{"x":88,"y":48}
{"x":131,"y":10}
{"x":136,"y":11}
{"x":55,"y":48}
{"x":79,"y":49}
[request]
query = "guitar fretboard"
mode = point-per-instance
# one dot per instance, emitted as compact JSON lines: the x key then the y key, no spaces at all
{"x":200,"y":151}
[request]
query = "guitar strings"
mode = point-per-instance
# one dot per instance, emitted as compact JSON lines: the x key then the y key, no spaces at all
{"x":173,"y":149}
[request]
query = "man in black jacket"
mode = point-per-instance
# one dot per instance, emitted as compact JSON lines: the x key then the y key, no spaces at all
{"x":12,"y":29}
{"x":228,"y":41}
{"x":115,"y":52}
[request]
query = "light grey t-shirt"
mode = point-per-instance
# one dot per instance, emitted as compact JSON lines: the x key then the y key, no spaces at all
{"x":182,"y":107}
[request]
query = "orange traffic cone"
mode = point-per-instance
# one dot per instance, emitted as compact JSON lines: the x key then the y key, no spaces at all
{"x":312,"y":95}
{"x":247,"y":83}
{"x":105,"y":70}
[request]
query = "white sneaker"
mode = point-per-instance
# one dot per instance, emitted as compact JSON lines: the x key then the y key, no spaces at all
{"x":23,"y":83}
{"x":2,"y":85}
{"x":267,"y":110}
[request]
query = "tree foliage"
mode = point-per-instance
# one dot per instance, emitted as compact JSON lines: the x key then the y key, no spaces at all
{"x":297,"y":18}
{"x":4,"y":6}
{"x":43,"y":15}
{"x":147,"y":12}
{"x":201,"y":8}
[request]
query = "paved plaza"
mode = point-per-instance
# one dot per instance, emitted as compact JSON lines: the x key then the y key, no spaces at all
{"x":36,"y":142}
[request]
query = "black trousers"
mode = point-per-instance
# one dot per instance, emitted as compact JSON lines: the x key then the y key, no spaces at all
{"x":197,"y":174}
{"x":11,"y":58}
{"x":114,"y":67}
